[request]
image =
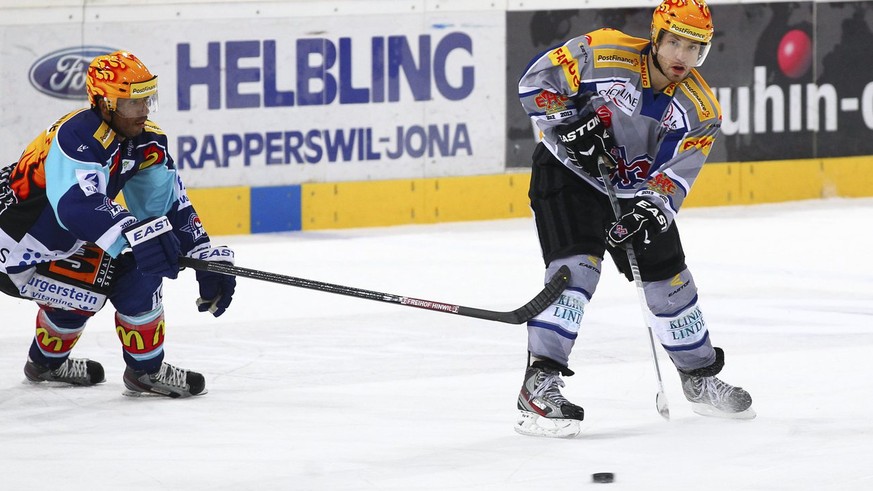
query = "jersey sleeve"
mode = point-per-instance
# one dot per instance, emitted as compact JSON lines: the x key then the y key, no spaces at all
{"x":552,"y":81}
{"x":76,"y":183}
{"x":682,"y":153}
{"x":680,"y":157}
{"x":157,"y":190}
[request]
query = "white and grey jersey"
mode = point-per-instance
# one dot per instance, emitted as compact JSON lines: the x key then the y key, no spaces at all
{"x":663,"y":139}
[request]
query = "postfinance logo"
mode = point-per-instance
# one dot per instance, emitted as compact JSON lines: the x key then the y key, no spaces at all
{"x":694,"y":92}
{"x":616,"y":58}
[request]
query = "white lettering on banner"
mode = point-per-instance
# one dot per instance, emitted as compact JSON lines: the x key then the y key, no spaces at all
{"x":315,"y":146}
{"x":763,"y":108}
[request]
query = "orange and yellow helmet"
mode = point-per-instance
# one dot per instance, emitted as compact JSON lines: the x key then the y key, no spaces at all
{"x":689,"y":19}
{"x":119,"y":75}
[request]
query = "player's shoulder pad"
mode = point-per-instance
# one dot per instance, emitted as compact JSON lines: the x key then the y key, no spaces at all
{"x":152,"y":127}
{"x":614,"y":38}
{"x":83,"y":135}
{"x":701,"y":95}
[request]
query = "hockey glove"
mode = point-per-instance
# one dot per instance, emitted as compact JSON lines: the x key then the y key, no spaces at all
{"x":642,"y":222}
{"x":585,"y":141}
{"x":155,"y":251}
{"x":216,"y":289}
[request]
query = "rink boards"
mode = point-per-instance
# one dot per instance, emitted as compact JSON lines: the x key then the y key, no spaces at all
{"x":242,"y":210}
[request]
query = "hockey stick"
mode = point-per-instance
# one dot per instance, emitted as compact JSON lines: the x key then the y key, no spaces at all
{"x":660,"y":397}
{"x":520,"y":315}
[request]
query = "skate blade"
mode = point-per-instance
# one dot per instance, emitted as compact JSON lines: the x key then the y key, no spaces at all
{"x":136,"y":393}
{"x":54,"y":384}
{"x":709,"y":411}
{"x":532,"y":424}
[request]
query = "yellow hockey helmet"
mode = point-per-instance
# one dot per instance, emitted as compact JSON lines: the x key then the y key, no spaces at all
{"x":120,"y":75}
{"x":690,"y":19}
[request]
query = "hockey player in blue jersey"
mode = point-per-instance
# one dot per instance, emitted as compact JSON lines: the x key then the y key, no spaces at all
{"x":68,"y":244}
{"x":641,"y":105}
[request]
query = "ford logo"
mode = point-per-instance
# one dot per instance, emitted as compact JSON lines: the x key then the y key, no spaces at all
{"x":62,"y":73}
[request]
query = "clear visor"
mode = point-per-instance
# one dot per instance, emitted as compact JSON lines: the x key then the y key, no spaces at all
{"x":137,"y":108}
{"x":673,"y":47}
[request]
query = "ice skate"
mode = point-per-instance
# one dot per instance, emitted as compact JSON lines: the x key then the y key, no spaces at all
{"x":709,"y":396}
{"x":543,"y":411}
{"x":74,"y":371}
{"x":168,"y":381}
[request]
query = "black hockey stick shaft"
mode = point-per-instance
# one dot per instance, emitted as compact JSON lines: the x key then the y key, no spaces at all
{"x":520,"y":315}
{"x":661,"y":397}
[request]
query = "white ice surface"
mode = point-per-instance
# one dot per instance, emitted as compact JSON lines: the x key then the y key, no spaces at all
{"x":315,"y":391}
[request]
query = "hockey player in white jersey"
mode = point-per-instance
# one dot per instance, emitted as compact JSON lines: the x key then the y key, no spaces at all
{"x":642,"y":105}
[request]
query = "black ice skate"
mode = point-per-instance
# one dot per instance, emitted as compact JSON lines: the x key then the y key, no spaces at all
{"x":543,"y":411}
{"x":168,"y":381}
{"x":74,"y":371}
{"x":710,"y":396}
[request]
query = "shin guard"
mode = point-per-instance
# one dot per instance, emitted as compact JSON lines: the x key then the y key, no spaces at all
{"x":679,"y":323}
{"x":552,"y":333}
{"x":55,"y":338}
{"x":142,"y":339}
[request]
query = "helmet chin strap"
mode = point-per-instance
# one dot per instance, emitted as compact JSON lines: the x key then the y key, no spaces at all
{"x":656,"y":63}
{"x":112,"y":125}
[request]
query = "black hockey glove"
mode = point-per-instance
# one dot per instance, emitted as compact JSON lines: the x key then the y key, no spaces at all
{"x":216,"y":289}
{"x":585,"y":141}
{"x":155,"y":247}
{"x":642,"y":222}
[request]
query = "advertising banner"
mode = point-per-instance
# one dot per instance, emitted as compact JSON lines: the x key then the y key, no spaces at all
{"x":792,"y":78}
{"x":286,"y":100}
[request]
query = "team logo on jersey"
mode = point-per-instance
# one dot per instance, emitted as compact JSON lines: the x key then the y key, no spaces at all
{"x":111,"y":207}
{"x":550,"y":102}
{"x":702,"y":143}
{"x":194,"y":227}
{"x":152,"y":154}
{"x":629,"y":173}
{"x":61,"y":73}
{"x":616,"y":58}
{"x":662,"y":184}
{"x":563,"y":58}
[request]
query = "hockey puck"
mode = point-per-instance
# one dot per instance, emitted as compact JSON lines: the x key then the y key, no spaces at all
{"x":603,"y":477}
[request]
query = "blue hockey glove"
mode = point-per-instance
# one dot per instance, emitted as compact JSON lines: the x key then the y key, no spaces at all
{"x":642,"y":222}
{"x":216,"y":289}
{"x":155,"y":248}
{"x":585,"y":141}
